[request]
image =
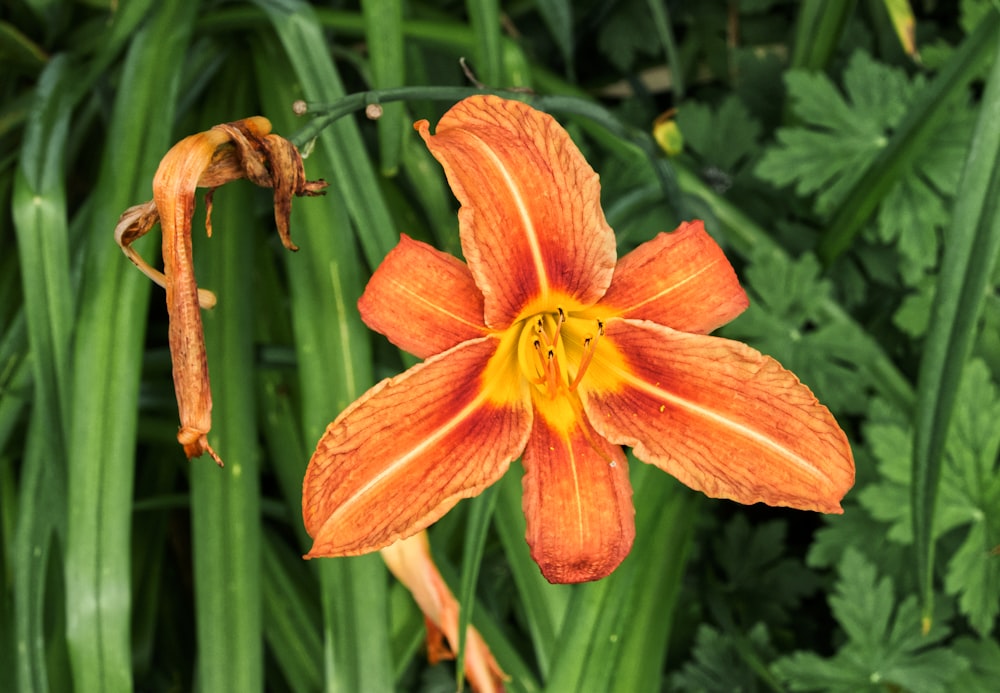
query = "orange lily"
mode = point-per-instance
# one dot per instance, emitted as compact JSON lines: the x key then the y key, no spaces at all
{"x":542,"y":344}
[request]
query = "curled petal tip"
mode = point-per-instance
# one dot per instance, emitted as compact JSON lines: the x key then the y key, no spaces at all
{"x":196,"y":444}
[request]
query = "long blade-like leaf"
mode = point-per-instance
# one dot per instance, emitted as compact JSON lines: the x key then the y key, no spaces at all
{"x":966,"y":269}
{"x":107,"y":359}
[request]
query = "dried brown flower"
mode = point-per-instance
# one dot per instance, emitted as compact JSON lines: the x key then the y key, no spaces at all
{"x":230,"y":151}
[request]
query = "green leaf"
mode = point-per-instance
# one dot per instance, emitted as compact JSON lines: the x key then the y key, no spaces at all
{"x":857,"y":530}
{"x":720,"y":661}
{"x":884,"y":649}
{"x":384,"y":35}
{"x":914,"y":313}
{"x":818,"y":30}
{"x":627,"y":33}
{"x":969,"y":493}
{"x":966,"y":270}
{"x":760,"y":583}
{"x":724,"y":137}
{"x":974,"y":573}
{"x":478,"y":523}
{"x":912,"y":141}
{"x":786,"y":306}
{"x":107,"y":358}
{"x":291,"y":624}
{"x":984,"y":657}
{"x":225,"y":502}
{"x":558,"y":16}
{"x":484,"y":17}
{"x":331,"y":343}
{"x":841,"y":137}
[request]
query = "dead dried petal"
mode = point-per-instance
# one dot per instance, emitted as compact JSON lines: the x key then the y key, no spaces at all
{"x":241,"y":149}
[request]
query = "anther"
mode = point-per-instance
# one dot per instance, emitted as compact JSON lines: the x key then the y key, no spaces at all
{"x":589,"y":347}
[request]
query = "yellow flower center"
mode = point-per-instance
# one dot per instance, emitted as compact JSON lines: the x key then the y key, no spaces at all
{"x":554,"y":350}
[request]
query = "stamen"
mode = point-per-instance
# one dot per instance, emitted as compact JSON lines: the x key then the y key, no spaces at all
{"x":552,"y":373}
{"x":538,"y":380}
{"x":589,"y":347}
{"x":559,"y":324}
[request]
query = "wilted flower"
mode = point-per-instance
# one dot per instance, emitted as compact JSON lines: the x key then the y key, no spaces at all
{"x":227,"y":152}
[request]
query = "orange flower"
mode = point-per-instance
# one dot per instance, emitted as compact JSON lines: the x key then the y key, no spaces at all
{"x":543,"y":344}
{"x":227,"y":152}
{"x":410,"y":561}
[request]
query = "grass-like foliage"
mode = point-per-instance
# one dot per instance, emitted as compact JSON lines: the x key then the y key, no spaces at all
{"x":852,"y":180}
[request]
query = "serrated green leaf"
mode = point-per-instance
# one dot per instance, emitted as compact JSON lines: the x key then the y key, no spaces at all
{"x":760,"y":583}
{"x":972,"y":12}
{"x":863,"y":604}
{"x":719,"y":662}
{"x":842,"y":135}
{"x":786,"y":305}
{"x":974,"y":574}
{"x":969,"y":493}
{"x":914,"y":313}
{"x":857,"y":530}
{"x":627,"y":33}
{"x":885,"y":648}
{"x":723,"y":136}
{"x":984,"y":658}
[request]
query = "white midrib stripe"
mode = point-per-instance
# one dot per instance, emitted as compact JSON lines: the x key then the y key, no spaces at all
{"x":404,"y":288}
{"x":713,"y":416}
{"x":531,"y":235}
{"x":389,"y":471}
{"x":670,"y":289}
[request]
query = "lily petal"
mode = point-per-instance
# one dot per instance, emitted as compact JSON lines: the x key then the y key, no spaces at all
{"x":411,"y":562}
{"x":681,"y":279}
{"x":531,"y":221}
{"x":721,"y":417}
{"x":409,"y":449}
{"x":577,"y":498}
{"x":423,"y":300}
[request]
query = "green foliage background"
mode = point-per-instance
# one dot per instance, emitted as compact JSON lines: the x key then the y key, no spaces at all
{"x":854,"y":187}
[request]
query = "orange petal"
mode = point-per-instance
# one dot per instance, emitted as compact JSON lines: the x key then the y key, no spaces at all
{"x":423,"y":300}
{"x":410,"y":448}
{"x":531,"y":222}
{"x":718,"y":415}
{"x":411,"y":562}
{"x":681,"y":279}
{"x":577,"y":498}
